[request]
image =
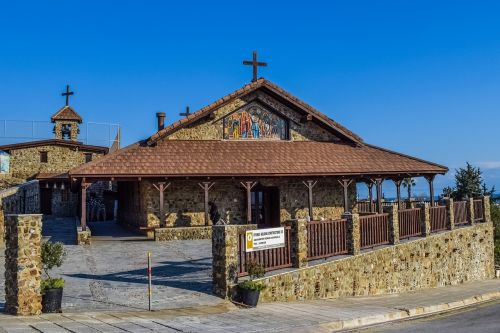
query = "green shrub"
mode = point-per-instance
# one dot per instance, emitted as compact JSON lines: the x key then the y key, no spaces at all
{"x":495,"y":217}
{"x":252,"y":285}
{"x":255,"y":271}
{"x":53,"y":255}
{"x":52,"y":283}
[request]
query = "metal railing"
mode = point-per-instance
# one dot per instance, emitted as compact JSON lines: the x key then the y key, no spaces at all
{"x":374,"y":230}
{"x":437,"y":218}
{"x":326,"y":238}
{"x":271,"y":259}
{"x":409,"y":223}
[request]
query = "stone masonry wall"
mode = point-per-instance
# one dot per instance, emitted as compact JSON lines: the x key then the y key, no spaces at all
{"x":181,"y":233}
{"x":212,"y":128}
{"x":23,"y":264}
{"x":21,"y":199}
{"x":25,"y":163}
{"x":139,"y":202}
{"x":450,"y":258}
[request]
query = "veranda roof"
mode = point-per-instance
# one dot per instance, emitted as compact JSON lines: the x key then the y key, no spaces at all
{"x":186,"y":158}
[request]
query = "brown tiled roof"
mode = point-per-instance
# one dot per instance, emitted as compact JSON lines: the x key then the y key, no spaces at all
{"x":52,"y":175}
{"x":175,"y":158}
{"x":269,"y":86}
{"x":66,"y":113}
{"x":55,"y":142}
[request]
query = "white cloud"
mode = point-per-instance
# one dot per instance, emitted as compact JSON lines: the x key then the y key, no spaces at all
{"x":489,"y":165}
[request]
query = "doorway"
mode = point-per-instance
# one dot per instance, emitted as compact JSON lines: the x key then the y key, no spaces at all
{"x":266,"y":207}
{"x":46,"y":201}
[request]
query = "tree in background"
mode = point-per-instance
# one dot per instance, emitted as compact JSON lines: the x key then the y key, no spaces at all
{"x":408,"y":183}
{"x":495,"y":217}
{"x":468,"y":184}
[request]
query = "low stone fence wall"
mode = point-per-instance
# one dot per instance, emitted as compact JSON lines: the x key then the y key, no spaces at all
{"x":20,"y":199}
{"x":182,"y":233}
{"x":449,"y":258}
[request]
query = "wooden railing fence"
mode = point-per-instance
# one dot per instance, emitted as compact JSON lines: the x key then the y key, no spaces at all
{"x":460,"y":213}
{"x":478,"y":210}
{"x":409,"y":223}
{"x":437,"y":218}
{"x":326,"y":238}
{"x":374,"y":230}
{"x":271,"y":259}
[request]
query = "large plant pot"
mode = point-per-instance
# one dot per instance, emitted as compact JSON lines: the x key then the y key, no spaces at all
{"x":51,"y":300}
{"x":250,"y":297}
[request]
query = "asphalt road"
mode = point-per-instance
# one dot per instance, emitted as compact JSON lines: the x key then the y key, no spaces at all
{"x":484,"y":318}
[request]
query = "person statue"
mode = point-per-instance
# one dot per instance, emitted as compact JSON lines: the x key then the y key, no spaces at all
{"x":213,"y":212}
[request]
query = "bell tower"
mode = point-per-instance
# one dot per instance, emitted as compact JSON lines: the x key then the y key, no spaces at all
{"x":66,"y":120}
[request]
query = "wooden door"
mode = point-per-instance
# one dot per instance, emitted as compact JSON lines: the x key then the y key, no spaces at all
{"x":46,"y":201}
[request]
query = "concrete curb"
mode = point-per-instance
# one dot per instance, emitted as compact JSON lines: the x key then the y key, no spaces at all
{"x":403,"y":313}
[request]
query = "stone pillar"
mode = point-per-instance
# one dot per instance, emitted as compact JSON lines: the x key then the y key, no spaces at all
{"x":470,"y":211}
{"x":299,"y":242}
{"x":225,"y":257}
{"x":393,"y":219}
{"x":425,"y":219}
{"x":487,"y":209}
{"x":353,"y":233}
{"x":450,"y":213}
{"x":23,"y":264}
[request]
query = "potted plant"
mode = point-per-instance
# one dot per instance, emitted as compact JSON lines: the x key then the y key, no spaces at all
{"x":53,"y":255}
{"x":250,"y":289}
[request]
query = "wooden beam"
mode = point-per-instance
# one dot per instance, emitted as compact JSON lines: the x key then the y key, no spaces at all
{"x":162,"y":186}
{"x":378,"y":183}
{"x":248,"y":186}
{"x":430,"y":180}
{"x":83,"y":215}
{"x":398,"y":182}
{"x":310,"y":185}
{"x":345,"y":186}
{"x":205,"y":186}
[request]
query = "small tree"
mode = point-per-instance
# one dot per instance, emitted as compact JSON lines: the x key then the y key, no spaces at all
{"x":53,"y":255}
{"x":255,"y":271}
{"x":409,"y":183}
{"x":469,"y":183}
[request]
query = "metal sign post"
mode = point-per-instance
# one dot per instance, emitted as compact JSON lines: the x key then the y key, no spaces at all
{"x":150,"y":290}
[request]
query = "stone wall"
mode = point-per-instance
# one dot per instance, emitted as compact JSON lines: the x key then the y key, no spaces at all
{"x":181,"y":233}
{"x":21,"y":199}
{"x":212,"y":128}
{"x":23,"y":264}
{"x":184,"y":204}
{"x":449,"y":258}
{"x":25,"y":162}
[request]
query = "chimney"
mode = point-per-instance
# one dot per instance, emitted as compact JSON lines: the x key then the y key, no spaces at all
{"x":161,"y":120}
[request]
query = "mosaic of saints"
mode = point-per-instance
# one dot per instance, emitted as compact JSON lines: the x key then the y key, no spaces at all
{"x":255,"y":123}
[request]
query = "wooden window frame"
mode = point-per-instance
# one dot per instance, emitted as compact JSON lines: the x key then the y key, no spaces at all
{"x":44,"y":157}
{"x":88,"y":157}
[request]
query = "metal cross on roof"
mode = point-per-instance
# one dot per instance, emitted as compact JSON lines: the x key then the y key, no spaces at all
{"x":185,"y":114}
{"x":255,"y":64}
{"x":67,"y":94}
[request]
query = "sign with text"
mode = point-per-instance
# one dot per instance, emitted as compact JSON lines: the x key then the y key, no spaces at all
{"x":262,"y":239}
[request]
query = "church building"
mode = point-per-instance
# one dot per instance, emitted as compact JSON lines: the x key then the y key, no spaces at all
{"x":257,"y":155}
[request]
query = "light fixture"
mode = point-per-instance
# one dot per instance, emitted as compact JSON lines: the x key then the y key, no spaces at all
{"x":46,"y":185}
{"x":55,"y":186}
{"x":62,"y":186}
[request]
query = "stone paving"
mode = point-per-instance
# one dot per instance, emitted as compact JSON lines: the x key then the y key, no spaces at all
{"x":311,"y":316}
{"x":110,"y":274}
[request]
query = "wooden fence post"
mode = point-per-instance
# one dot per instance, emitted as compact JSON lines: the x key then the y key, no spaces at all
{"x":353,"y":233}
{"x":450,"y":213}
{"x":470,"y":211}
{"x":393,"y":220}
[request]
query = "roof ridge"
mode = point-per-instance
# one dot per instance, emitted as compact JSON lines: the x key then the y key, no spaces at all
{"x":75,"y":115}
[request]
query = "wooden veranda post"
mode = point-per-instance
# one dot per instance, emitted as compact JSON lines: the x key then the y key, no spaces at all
{"x":206,"y":186}
{"x":248,"y":186}
{"x":161,"y":187}
{"x":345,"y":186}
{"x":398,"y":182}
{"x":430,"y":180}
{"x":83,"y":215}
{"x":378,"y":183}
{"x":369,"y":184}
{"x":310,"y":185}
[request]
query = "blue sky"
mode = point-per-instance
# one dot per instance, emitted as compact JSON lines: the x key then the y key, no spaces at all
{"x":420,"y":77}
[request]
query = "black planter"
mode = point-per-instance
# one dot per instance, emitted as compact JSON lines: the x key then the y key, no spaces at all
{"x":250,"y":297}
{"x":51,"y":300}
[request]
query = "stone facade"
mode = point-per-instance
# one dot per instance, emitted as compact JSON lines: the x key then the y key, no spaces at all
{"x":22,"y":199}
{"x":75,"y":129}
{"x":450,"y":258}
{"x":181,"y":233}
{"x":25,"y":163}
{"x":83,"y":236}
{"x":23,"y":264}
{"x":184,"y":201}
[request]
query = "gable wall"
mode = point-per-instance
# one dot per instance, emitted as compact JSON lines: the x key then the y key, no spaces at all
{"x":211,"y":129}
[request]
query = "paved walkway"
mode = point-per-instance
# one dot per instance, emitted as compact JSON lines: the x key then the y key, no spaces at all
{"x":312,"y":316}
{"x":111,"y":273}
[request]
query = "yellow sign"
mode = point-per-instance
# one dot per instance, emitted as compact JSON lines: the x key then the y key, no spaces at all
{"x":262,"y":239}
